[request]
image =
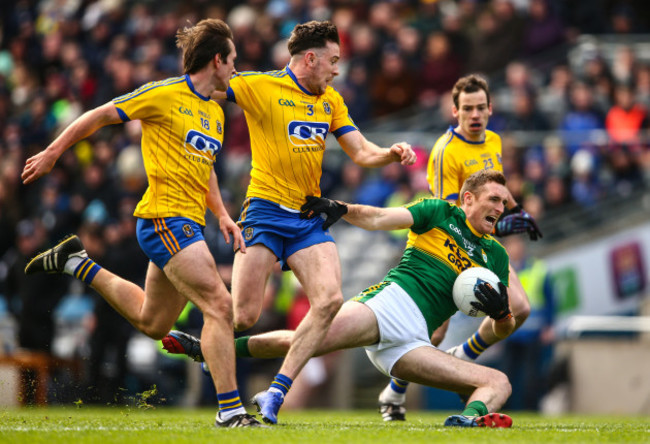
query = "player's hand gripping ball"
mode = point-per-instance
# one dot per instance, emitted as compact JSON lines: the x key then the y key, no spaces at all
{"x":466,"y":285}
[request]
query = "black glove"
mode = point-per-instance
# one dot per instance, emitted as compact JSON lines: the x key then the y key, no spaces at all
{"x":518,"y":221}
{"x":321,"y":205}
{"x":491,"y":302}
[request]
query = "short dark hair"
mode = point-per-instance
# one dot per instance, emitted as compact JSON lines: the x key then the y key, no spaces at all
{"x":201,"y":42}
{"x":312,"y":34}
{"x":470,"y":84}
{"x":474,"y":182}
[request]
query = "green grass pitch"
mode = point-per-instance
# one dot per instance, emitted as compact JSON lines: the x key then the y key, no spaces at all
{"x":72,"y":425}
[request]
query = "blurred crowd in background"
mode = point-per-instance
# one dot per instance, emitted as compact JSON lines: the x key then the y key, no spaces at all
{"x":587,"y":123}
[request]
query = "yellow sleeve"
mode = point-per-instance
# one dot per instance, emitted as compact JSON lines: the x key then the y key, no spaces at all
{"x":141,"y":104}
{"x":442,"y":171}
{"x":341,"y":120}
{"x":243,"y":91}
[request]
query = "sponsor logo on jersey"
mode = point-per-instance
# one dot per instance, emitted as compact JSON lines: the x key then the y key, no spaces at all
{"x":470,"y":162}
{"x":307,"y":134}
{"x":468,"y":246}
{"x":187,"y":230}
{"x":286,"y":102}
{"x":186,"y":111}
{"x":199,"y":144}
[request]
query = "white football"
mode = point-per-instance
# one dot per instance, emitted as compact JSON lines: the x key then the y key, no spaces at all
{"x":465,"y":284}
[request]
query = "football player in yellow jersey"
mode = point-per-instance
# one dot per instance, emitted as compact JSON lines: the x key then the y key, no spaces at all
{"x":289,"y":114}
{"x":461,"y":151}
{"x":182,"y":132}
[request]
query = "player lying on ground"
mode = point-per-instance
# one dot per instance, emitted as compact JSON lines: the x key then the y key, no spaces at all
{"x":461,"y":151}
{"x":394,"y":319}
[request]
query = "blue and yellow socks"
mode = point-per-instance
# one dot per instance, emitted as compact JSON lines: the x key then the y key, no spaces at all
{"x":281,"y":383}
{"x":229,"y":405}
{"x":83,"y":268}
{"x":394,"y":393}
{"x":474,"y":346}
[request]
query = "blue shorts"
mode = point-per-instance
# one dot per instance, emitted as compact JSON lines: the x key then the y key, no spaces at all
{"x":279,"y":229}
{"x":162,"y":238}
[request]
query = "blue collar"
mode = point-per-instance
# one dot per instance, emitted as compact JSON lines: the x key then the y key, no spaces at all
{"x":191,"y":85}
{"x":451,"y":128}
{"x":293,"y":77}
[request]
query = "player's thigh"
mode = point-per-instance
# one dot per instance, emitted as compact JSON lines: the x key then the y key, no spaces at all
{"x":163,"y":303}
{"x":250,"y":272}
{"x":519,"y":304}
{"x":193,"y":273}
{"x":318,"y":270}
{"x":435,"y":368}
{"x":355,"y":325}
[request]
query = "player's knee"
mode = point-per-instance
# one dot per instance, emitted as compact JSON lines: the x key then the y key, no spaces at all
{"x":328,"y":307}
{"x":219,"y":308}
{"x":244,"y":320}
{"x":154,"y":331}
{"x":501,"y":383}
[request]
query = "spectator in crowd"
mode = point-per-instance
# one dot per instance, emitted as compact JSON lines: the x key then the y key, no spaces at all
{"x":518,"y":78}
{"x":26,"y":297}
{"x":555,"y":157}
{"x":582,"y":118}
{"x":394,"y":87}
{"x":624,"y":64}
{"x":498,"y":37}
{"x":625,"y":120}
{"x":524,"y":115}
{"x":441,"y":67}
{"x":543,"y":28}
{"x":552,"y":100}
{"x":107,"y":364}
{"x":556,"y":195}
{"x":354,"y":91}
{"x":642,"y":85}
{"x":585,"y":188}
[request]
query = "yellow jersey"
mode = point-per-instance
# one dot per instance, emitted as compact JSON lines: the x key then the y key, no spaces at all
{"x":182,"y":133}
{"x":454,"y":158}
{"x":288,"y":126}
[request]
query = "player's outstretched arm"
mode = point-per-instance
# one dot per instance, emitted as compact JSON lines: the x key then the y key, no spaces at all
{"x":364,"y":216}
{"x":42,"y":163}
{"x":367,"y":154}
{"x":375,"y":218}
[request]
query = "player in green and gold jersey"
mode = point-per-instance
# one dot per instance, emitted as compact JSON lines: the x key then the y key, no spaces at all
{"x":394,"y":319}
{"x":460,"y":152}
